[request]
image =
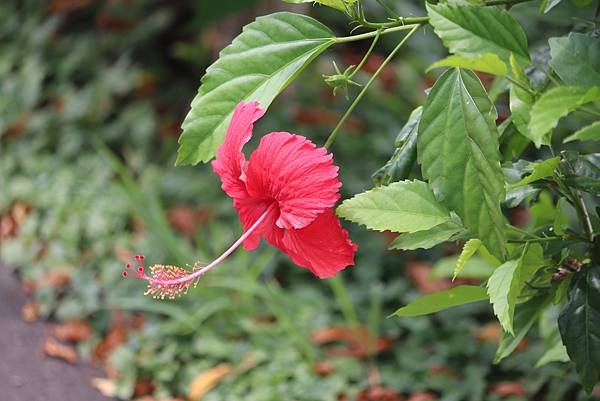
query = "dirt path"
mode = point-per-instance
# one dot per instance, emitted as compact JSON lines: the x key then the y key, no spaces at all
{"x":25,"y":373}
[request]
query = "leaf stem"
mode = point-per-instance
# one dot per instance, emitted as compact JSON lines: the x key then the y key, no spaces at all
{"x":367,"y":35}
{"x":367,"y":54}
{"x":367,"y":85}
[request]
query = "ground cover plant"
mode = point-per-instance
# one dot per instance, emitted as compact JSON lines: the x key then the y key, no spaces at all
{"x":493,"y":178}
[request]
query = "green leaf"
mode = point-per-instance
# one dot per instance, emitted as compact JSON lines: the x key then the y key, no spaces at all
{"x":576,"y":59}
{"x":555,"y":104}
{"x":471,"y":31}
{"x":476,"y":267}
{"x":503,"y":290}
{"x":427,"y":238}
{"x":579,"y":325}
{"x":521,"y":100}
{"x":457,"y":147}
{"x":556,"y":353}
{"x":437,"y":301}
{"x":405,"y":206}
{"x":337,"y":4}
{"x":587,"y":133}
{"x":488,"y":62}
{"x":471,"y":246}
{"x":405,"y":156}
{"x":258,"y":65}
{"x":526,"y":315}
{"x":540,"y":170}
{"x":548,"y":5}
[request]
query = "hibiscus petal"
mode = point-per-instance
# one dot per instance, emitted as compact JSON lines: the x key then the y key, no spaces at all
{"x":298,"y":175}
{"x":249,"y":210}
{"x":324,"y":247}
{"x":230,"y":160}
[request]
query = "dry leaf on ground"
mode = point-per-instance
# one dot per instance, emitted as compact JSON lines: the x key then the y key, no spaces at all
{"x":206,"y":380}
{"x":75,"y":331}
{"x":54,"y":349}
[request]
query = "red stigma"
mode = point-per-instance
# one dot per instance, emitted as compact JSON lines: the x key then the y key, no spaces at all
{"x":140,"y":267}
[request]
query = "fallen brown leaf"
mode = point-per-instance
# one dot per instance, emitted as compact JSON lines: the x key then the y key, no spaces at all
{"x":54,"y":349}
{"x":143,"y":387}
{"x":323,"y":368}
{"x":30,"y":311}
{"x":357,"y":341}
{"x":74,"y":331}
{"x":379,"y":393}
{"x":489,"y":333}
{"x":508,"y":389}
{"x":424,"y":396}
{"x":57,"y":278}
{"x":206,"y":380}
{"x":420,"y":275}
{"x":106,"y":387}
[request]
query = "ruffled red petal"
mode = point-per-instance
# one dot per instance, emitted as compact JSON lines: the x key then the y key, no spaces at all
{"x":230,"y":160}
{"x":300,"y":177}
{"x":323,"y":247}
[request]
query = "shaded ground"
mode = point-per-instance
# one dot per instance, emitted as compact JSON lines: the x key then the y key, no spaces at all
{"x":26,"y":374}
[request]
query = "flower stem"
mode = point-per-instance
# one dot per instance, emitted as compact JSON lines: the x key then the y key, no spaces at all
{"x":367,"y":85}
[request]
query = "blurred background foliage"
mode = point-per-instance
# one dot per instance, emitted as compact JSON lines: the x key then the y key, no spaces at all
{"x":92,"y":94}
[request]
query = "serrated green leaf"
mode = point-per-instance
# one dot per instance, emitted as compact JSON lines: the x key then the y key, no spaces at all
{"x":553,"y":105}
{"x":579,"y":325}
{"x":588,"y":133}
{"x":405,"y":206}
{"x":405,"y":156}
{"x":337,"y":4}
{"x":457,"y":147}
{"x":258,"y":64}
{"x":540,"y":170}
{"x":488,"y":62}
{"x":471,"y":246}
{"x":476,"y":267}
{"x":526,"y":315}
{"x":437,"y":301}
{"x":471,"y":31}
{"x":427,"y":238}
{"x":576,"y":59}
{"x":503,"y":290}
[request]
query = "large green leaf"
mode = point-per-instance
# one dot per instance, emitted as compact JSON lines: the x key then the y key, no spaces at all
{"x":405,"y":155}
{"x":342,"y":5}
{"x":405,"y":206}
{"x":521,"y":98}
{"x":576,"y":59}
{"x":488,"y":62}
{"x":472,"y":31}
{"x":458,"y":151}
{"x":554,"y":105}
{"x":579,"y":325}
{"x":526,"y":315}
{"x":503,"y":289}
{"x":588,"y":133}
{"x":427,"y":238}
{"x":540,"y":170}
{"x":258,"y":64}
{"x":437,"y":301}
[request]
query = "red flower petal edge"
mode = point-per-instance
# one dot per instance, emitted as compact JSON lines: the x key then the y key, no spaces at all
{"x":284,"y":193}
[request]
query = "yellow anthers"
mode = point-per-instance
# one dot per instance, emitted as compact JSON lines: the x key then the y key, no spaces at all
{"x":169,"y":281}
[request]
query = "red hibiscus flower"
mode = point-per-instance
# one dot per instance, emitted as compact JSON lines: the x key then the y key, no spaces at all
{"x":284,"y":193}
